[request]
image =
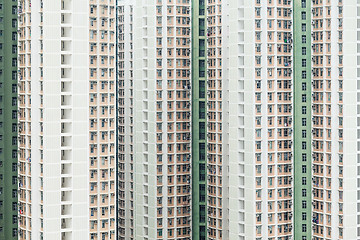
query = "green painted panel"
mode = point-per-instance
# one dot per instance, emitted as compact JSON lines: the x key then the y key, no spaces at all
{"x":199,"y":190}
{"x":302,"y":112}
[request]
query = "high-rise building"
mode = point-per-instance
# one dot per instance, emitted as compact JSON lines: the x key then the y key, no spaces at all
{"x":8,"y":120}
{"x":67,"y":119}
{"x":154,"y":124}
{"x":181,"y":119}
{"x":262,"y":95}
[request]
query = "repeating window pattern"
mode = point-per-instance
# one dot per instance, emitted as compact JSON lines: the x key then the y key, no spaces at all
{"x":327,"y":110}
{"x":274,"y":119}
{"x":24,"y":117}
{"x":173,"y":119}
{"x":102,"y":135}
{"x":125,"y":121}
{"x":215,"y":200}
{"x":9,"y":118}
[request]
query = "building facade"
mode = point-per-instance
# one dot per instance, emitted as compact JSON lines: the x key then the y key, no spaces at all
{"x":181,"y":119}
{"x":67,"y":119}
{"x":272,"y":110}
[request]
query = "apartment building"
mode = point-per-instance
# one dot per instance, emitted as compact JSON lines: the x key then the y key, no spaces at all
{"x":179,"y":119}
{"x":66,"y":64}
{"x":8,"y":120}
{"x":160,"y":102}
{"x":269,"y":123}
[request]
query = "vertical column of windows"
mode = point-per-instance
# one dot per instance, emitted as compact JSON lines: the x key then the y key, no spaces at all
{"x":102,"y":118}
{"x":24,"y":104}
{"x":41,"y":122}
{"x":93,"y":91}
{"x":163,"y":157}
{"x":164,"y":187}
{"x":259,"y":116}
{"x":302,"y":115}
{"x":131,"y":127}
{"x":173,"y":139}
{"x":327,"y":100}
{"x":327,"y":122}
{"x":22,"y":123}
{"x":318,"y":119}
{"x":125,"y":169}
{"x":199,"y":120}
{"x":214,"y":120}
{"x":338,"y":116}
{"x":120,"y":108}
{"x":283,"y":103}
{"x":66,"y":81}
{"x":273,"y":140}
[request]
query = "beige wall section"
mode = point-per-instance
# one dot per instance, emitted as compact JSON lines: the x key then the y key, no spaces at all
{"x":101,"y":122}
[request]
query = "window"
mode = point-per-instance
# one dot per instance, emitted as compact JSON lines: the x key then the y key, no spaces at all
{"x":303,"y":62}
{"x":13,"y":75}
{"x":303,"y":74}
{"x":258,"y":108}
{"x":303,"y":15}
{"x":14,"y":88}
{"x":303,"y":50}
{"x":304,"y":157}
{"x":303,"y":145}
{"x":303,"y":27}
{"x":303,"y":204}
{"x":303,"y":168}
{"x":303,"y":122}
{"x":14,"y":180}
{"x":303,"y":182}
{"x":14,"y":167}
{"x":258,"y":11}
{"x":303,"y":39}
{"x":14,"y":193}
{"x":304,"y":216}
{"x":303,"y":98}
{"x":303,"y":87}
{"x":303,"y":192}
{"x":303,"y":109}
{"x":303,"y":3}
{"x":303,"y":133}
{"x":303,"y":228}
